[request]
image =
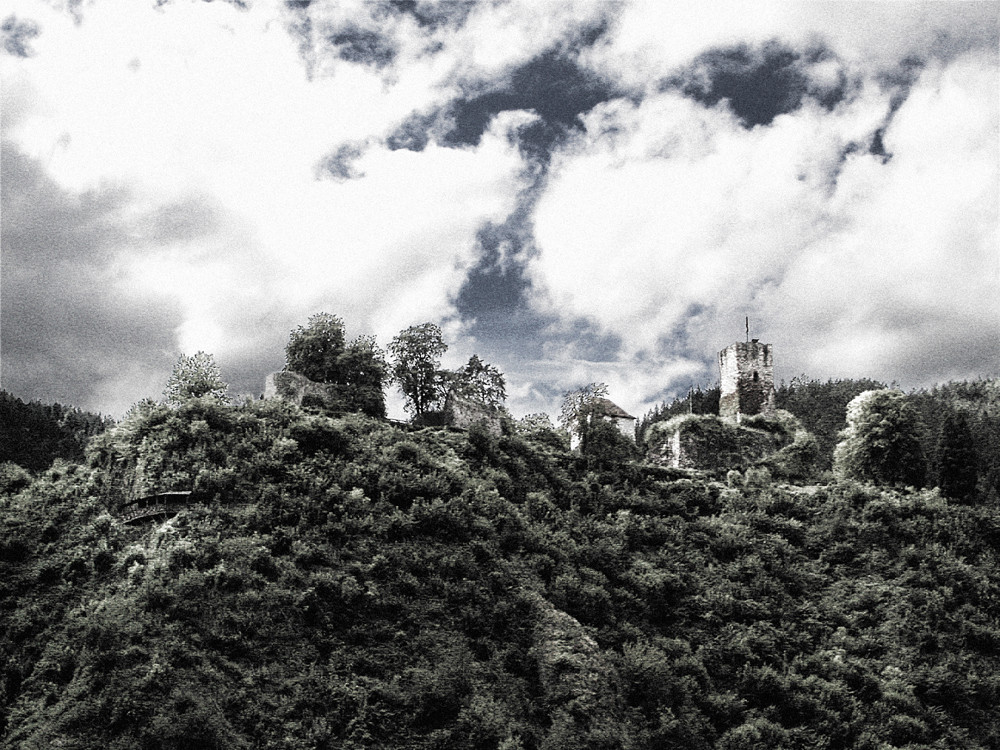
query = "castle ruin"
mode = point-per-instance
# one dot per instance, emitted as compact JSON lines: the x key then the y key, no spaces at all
{"x":746,"y":380}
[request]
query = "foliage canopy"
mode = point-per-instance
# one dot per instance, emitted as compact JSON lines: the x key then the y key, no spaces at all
{"x":416,"y":366}
{"x":882,"y":441}
{"x":957,"y":459}
{"x":347,"y":582}
{"x":480,"y":382}
{"x":195,"y":376}
{"x":356,"y":371}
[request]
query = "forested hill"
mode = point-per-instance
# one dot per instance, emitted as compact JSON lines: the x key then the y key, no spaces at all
{"x":348,"y":583}
{"x":33,"y":434}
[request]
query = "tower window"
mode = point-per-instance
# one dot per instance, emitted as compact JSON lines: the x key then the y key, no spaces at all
{"x":756,"y":377}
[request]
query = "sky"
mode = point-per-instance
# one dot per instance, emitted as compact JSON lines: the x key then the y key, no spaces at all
{"x":575,"y":191}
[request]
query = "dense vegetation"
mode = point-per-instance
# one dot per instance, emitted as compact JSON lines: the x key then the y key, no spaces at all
{"x":33,"y":434}
{"x":342,"y":582}
{"x":954,"y":419}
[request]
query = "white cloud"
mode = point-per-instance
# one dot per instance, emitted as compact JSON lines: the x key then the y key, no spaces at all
{"x":864,"y":269}
{"x":653,"y":37}
{"x":663,"y":224}
{"x":208,"y":105}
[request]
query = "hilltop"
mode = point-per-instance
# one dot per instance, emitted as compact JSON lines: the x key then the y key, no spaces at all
{"x":344,"y":582}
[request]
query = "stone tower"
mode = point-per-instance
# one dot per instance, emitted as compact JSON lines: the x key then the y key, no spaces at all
{"x":746,"y":379}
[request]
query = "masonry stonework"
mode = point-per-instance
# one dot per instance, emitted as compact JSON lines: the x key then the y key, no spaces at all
{"x":298,"y":389}
{"x":746,"y":380}
{"x":463,"y":413}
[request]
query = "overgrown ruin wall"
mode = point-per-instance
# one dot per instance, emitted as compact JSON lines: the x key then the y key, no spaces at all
{"x":291,"y":386}
{"x":746,"y":380}
{"x":463,"y":413}
{"x":708,"y":443}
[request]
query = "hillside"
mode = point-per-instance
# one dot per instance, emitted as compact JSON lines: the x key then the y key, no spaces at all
{"x":349,"y":583}
{"x":33,"y":434}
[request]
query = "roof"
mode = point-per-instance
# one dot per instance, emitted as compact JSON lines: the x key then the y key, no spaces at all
{"x":611,"y":409}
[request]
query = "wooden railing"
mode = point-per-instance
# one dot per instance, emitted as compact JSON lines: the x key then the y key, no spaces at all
{"x":160,"y":504}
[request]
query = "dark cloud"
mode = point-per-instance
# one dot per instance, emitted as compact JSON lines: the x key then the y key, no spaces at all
{"x":366,"y":39}
{"x":340,"y":165}
{"x":553,"y":86}
{"x":760,"y":83}
{"x":66,"y":327}
{"x":899,"y":79}
{"x":356,"y":44}
{"x":415,"y":132}
{"x":433,"y":14}
{"x":240,"y":4}
{"x":17,"y":36}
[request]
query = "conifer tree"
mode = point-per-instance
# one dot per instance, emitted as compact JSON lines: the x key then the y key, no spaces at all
{"x":957,"y":459}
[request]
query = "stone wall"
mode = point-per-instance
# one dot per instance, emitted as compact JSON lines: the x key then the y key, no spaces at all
{"x":298,"y":389}
{"x":708,"y":443}
{"x":626,"y":426}
{"x":463,"y":413}
{"x":746,"y":380}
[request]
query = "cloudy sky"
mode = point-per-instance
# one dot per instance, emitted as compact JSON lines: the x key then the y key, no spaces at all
{"x":576,"y":191}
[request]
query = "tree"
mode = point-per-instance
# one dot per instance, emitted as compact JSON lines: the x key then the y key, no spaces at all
{"x":356,"y":371}
{"x":580,"y":409}
{"x":881,"y":443}
{"x":957,"y":460}
{"x":821,"y":407}
{"x":533,"y":422}
{"x":480,"y":382}
{"x":416,"y":358}
{"x":196,"y":376}
{"x":316,"y":349}
{"x":363,"y":373}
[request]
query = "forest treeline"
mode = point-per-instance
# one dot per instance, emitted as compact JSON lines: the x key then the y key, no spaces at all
{"x":345,"y":582}
{"x":33,"y":434}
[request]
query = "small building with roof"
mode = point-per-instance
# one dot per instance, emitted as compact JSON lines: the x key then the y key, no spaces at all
{"x":609,"y":412}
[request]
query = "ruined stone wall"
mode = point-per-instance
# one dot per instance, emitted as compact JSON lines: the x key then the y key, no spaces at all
{"x":298,"y":389}
{"x":463,"y":413}
{"x":746,"y":380}
{"x":708,"y":443}
{"x":625,"y":426}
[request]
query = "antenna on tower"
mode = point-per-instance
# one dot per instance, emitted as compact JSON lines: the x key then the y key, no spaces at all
{"x":748,"y":329}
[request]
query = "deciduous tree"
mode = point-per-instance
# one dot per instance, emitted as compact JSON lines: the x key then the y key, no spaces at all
{"x":481,"y":382}
{"x":416,"y":366}
{"x":196,"y":376}
{"x":882,"y":441}
{"x":580,"y":408}
{"x":357,"y":371}
{"x":315,"y":350}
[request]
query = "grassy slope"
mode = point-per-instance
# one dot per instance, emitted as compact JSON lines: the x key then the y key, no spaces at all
{"x":347,"y":584}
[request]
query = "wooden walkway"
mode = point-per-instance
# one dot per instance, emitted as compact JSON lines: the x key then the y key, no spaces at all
{"x":151,"y":506}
